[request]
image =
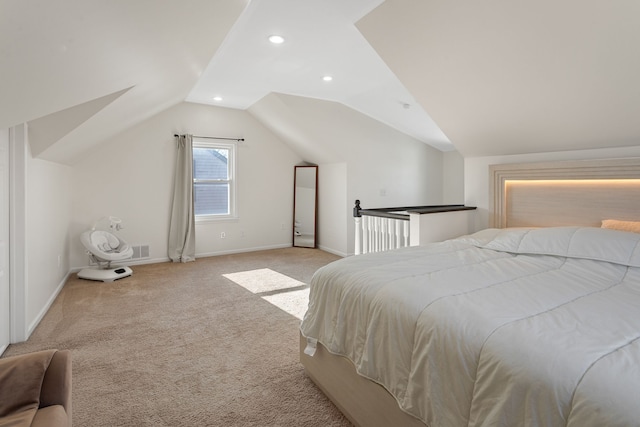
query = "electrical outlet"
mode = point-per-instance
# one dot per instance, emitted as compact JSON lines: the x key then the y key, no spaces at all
{"x":241,"y":233}
{"x":223,"y":235}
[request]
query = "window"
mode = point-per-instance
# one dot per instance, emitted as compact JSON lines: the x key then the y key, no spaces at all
{"x":214,"y":179}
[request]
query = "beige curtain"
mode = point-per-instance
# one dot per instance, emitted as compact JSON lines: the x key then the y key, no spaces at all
{"x":182,"y":232}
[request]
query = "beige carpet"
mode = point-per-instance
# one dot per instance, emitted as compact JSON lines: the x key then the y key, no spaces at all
{"x":182,"y":345}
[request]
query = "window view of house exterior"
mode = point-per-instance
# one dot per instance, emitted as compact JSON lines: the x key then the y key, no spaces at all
{"x":213,"y":179}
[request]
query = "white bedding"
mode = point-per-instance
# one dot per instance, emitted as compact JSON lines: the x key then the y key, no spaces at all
{"x":501,"y":328}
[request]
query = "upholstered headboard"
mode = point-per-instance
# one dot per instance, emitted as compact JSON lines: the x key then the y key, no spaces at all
{"x":550,"y":194}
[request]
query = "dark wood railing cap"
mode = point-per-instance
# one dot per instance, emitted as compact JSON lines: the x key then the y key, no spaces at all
{"x":394,"y":212}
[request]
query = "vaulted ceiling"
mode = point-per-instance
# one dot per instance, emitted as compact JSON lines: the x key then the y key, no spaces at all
{"x":510,"y":77}
{"x":81,"y":71}
{"x":488,"y":78}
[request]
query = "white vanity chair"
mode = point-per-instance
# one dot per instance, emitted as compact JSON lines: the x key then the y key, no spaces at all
{"x":103,"y":248}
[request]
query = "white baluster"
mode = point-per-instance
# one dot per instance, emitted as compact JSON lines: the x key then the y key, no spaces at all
{"x":383,"y":234}
{"x":372,"y":239}
{"x":358,"y":247}
{"x":372,"y":234}
{"x":366,"y":244}
{"x":376,"y":234}
{"x":406,"y":233}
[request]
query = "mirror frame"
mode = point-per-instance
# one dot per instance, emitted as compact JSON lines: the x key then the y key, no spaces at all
{"x":315,"y":207}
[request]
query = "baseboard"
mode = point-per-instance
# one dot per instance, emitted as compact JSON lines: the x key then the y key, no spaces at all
{"x":333,"y":251}
{"x":200,"y":255}
{"x":46,"y":307}
{"x":243,"y":250}
{"x":146,"y":261}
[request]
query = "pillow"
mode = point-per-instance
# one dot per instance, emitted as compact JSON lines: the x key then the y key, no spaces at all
{"x":593,"y":243}
{"x":615,"y":224}
{"x":21,"y":378}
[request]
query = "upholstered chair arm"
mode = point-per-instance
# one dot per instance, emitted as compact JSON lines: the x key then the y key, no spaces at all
{"x":35,"y":389}
{"x":56,"y":385}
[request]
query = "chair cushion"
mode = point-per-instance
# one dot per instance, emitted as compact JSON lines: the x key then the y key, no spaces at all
{"x":51,"y":416}
{"x":21,"y":379}
{"x":106,"y":246}
{"x":104,"y":241}
{"x":19,"y":418}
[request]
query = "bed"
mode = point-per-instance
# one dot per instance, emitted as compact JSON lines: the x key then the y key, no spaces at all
{"x":504,"y":327}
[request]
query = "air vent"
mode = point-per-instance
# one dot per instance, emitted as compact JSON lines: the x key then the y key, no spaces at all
{"x":140,"y":252}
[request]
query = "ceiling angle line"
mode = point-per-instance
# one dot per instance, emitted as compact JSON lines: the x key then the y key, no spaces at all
{"x":212,"y":137}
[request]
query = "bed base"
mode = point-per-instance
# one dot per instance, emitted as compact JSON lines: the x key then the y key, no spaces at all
{"x":364,"y":402}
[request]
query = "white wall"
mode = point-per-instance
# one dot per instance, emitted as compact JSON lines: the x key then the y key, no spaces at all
{"x":332,"y":205}
{"x":48,"y":214}
{"x":452,"y":178}
{"x":410,"y":175}
{"x":476,"y":173}
{"x":40,"y":212}
{"x":131,"y":177}
{"x":382,"y":166}
{"x":387,"y":171}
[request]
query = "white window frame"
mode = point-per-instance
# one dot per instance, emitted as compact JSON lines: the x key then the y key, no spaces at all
{"x":232,"y":146}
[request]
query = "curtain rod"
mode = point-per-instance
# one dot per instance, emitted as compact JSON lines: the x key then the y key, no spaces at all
{"x":213,"y":137}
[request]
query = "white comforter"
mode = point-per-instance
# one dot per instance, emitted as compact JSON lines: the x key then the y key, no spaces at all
{"x":536,"y":327}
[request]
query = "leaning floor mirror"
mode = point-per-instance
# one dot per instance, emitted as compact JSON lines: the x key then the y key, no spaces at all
{"x":305,"y":206}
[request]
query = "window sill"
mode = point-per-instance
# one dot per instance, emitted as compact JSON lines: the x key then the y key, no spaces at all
{"x":215,"y":218}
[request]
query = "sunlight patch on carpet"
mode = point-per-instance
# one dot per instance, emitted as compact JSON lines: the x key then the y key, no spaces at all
{"x":284,"y":292}
{"x":293,"y":302}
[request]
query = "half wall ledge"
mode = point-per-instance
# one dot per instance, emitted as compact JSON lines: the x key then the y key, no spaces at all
{"x":382,"y":229}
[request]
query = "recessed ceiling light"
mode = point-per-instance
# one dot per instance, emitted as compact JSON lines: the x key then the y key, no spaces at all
{"x":327,"y":78}
{"x":217,"y":98}
{"x":275,"y":39}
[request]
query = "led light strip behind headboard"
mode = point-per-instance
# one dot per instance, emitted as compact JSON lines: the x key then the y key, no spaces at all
{"x":564,"y":193}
